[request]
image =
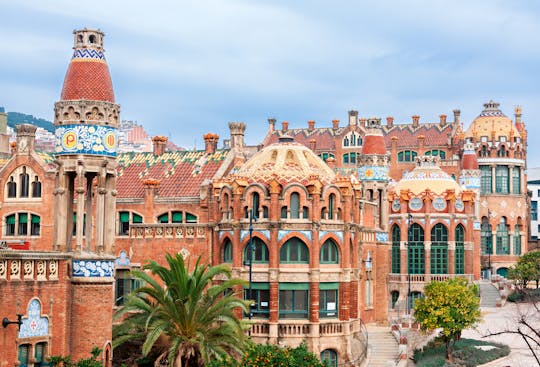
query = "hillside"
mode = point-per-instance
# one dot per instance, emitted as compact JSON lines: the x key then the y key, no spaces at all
{"x":16,"y":118}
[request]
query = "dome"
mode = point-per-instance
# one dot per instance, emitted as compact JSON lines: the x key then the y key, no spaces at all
{"x":286,"y":162}
{"x":427,"y":175}
{"x":492,"y":122}
{"x":88,"y":75}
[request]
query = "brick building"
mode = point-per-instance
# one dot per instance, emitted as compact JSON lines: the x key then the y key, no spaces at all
{"x":324,"y":210}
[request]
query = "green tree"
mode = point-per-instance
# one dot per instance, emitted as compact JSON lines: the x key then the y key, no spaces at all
{"x":66,"y":361}
{"x":270,"y":355}
{"x":451,"y":305}
{"x":527,"y":269}
{"x":189,"y":313}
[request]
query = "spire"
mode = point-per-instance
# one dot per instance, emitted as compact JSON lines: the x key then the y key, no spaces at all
{"x":88,"y":75}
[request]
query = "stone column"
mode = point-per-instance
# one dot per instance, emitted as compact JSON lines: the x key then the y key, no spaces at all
{"x":110,"y":207}
{"x":81,"y":180}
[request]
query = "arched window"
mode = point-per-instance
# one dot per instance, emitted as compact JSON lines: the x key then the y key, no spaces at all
{"x":352,"y":159}
{"x":10,"y":225}
{"x":294,"y":206}
{"x":346,"y":142}
{"x":12,"y":188}
{"x":394,"y":295}
{"x":24,"y":179}
{"x":502,"y":152}
{"x":503,"y":238}
{"x":163,"y":218}
{"x":396,"y":258}
{"x":329,"y":253}
{"x":35,"y":225}
{"x":191,"y":218}
{"x":416,"y":250}
{"x":517,"y":240}
{"x":329,"y":356}
{"x":227,"y":251}
{"x":407,"y":156}
{"x":36,"y":188}
{"x":294,"y":251}
{"x":460,"y":250}
{"x":255,"y":203}
{"x":516,"y":180}
{"x":501,"y":180}
{"x":260,"y":251}
{"x":346,"y":158}
{"x":331,"y":205}
{"x":484,"y":152}
{"x":486,"y":238}
{"x":125,"y":218}
{"x":176,"y":217}
{"x":439,"y":249}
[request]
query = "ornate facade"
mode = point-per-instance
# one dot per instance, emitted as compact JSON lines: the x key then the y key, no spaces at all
{"x":326,"y":222}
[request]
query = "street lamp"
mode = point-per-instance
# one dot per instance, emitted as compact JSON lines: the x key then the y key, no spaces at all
{"x":409,"y":220}
{"x":251,"y":218}
{"x":6,"y":321}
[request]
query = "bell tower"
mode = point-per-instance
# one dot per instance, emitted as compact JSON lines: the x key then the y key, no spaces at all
{"x":86,"y":123}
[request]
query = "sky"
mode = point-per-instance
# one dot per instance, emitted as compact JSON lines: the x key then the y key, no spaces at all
{"x":185,"y":68}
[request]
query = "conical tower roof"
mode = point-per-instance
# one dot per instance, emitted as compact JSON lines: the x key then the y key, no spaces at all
{"x":88,"y":77}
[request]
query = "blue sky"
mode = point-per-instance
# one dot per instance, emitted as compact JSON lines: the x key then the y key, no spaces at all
{"x":185,"y":68}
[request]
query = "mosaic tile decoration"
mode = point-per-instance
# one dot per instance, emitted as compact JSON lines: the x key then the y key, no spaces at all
{"x":470,"y":182}
{"x":34,"y":324}
{"x":245,"y":233}
{"x":374,"y":173}
{"x":88,"y":54}
{"x":338,"y":234}
{"x":283,"y":233}
{"x":93,"y":268}
{"x":123,"y":259}
{"x":381,"y":236}
{"x":86,"y":139}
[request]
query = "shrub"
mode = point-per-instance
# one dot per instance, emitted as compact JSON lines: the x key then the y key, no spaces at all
{"x":465,"y":353}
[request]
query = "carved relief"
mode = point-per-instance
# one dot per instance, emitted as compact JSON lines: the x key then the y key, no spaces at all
{"x":28,"y":269}
{"x":41,"y":270}
{"x":15,"y":269}
{"x":3,"y":269}
{"x":53,"y":269}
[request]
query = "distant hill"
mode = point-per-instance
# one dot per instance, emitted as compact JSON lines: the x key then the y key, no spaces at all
{"x":17,"y":118}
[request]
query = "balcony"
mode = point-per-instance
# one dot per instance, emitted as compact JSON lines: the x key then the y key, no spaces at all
{"x":165,"y":230}
{"x":425,"y":278}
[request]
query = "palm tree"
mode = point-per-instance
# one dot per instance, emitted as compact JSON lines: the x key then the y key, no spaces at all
{"x":187,"y":312}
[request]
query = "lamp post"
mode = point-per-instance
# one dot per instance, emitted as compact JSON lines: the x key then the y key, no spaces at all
{"x":251,"y":217}
{"x":409,"y":220}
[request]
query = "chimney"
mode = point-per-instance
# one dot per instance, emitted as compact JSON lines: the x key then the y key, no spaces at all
{"x":160,"y":142}
{"x":353,"y":117}
{"x":457,"y":113}
{"x":335,"y":124}
{"x":150,"y":191}
{"x":415,"y":120}
{"x":390,"y":121}
{"x":237,"y":130}
{"x":421,"y":139}
{"x":312,"y":144}
{"x":284,"y":126}
{"x":363,"y":122}
{"x":311,"y":125}
{"x":272,"y":124}
{"x":442,"y":120}
{"x":26,"y":136}
{"x":210,"y":142}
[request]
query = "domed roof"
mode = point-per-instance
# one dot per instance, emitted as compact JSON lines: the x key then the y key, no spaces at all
{"x":427,"y":175}
{"x":492,"y":121}
{"x":286,"y":162}
{"x":88,"y":75}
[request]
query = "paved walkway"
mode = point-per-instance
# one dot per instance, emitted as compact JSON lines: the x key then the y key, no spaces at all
{"x":383,"y":347}
{"x":504,"y":318}
{"x":489,"y":295}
